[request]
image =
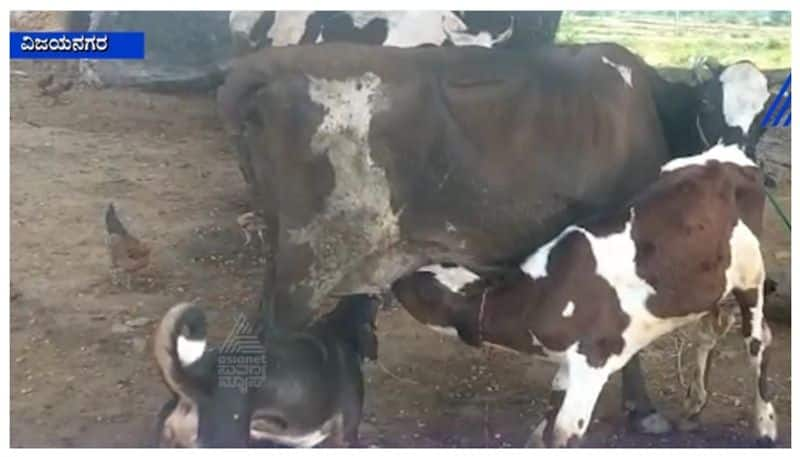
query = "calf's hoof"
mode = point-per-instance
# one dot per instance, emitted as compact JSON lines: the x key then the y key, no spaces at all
{"x":765,"y":441}
{"x":651,"y":424}
{"x":536,"y":440}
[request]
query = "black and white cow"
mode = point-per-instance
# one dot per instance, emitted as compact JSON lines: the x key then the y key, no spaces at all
{"x":600,"y":291}
{"x":508,"y":29}
{"x":371,"y":162}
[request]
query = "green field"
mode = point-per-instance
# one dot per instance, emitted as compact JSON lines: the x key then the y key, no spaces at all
{"x":664,"y":41}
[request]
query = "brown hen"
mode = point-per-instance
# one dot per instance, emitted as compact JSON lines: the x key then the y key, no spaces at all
{"x":128,"y":254}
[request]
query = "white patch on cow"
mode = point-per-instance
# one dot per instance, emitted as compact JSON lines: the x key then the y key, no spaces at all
{"x":357,"y":219}
{"x":262,"y":430}
{"x":746,"y":270}
{"x":456,"y":31}
{"x":535,"y":265}
{"x":615,"y":256}
{"x":744,"y":93}
{"x":624,"y":72}
{"x":242,"y":22}
{"x":189,"y":351}
{"x":288,"y":27}
{"x":569,"y":309}
{"x":413,"y":28}
{"x":453,"y":278}
{"x":583,"y":385}
{"x":447,"y":331}
{"x":721,"y":153}
{"x":362,"y":18}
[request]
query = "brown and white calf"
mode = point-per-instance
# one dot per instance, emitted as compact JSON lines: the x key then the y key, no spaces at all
{"x":601,"y":291}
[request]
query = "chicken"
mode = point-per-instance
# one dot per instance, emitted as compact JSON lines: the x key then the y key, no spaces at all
{"x":51,"y":87}
{"x":252,"y":222}
{"x":128,"y":254}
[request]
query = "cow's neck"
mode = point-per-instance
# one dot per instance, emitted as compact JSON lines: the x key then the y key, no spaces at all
{"x":678,"y":109}
{"x":500,"y":315}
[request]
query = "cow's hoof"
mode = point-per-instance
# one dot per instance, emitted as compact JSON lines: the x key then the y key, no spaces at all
{"x":652,"y":424}
{"x":765,"y":441}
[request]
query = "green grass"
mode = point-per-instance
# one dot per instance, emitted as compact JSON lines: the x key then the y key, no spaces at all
{"x":663,"y":43}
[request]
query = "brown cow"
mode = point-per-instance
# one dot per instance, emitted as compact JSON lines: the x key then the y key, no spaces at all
{"x":599,"y":292}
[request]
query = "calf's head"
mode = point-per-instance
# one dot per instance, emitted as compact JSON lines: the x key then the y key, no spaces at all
{"x":439,"y":296}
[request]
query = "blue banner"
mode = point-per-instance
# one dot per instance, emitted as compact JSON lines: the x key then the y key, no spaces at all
{"x":77,"y":45}
{"x":781,"y":105}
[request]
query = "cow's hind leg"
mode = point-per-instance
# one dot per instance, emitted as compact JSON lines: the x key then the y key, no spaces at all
{"x":642,"y":416}
{"x":757,"y":338}
{"x":710,"y":331}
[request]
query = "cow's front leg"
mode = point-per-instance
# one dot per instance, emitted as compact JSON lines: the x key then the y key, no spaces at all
{"x":583,"y":386}
{"x":642,"y":416}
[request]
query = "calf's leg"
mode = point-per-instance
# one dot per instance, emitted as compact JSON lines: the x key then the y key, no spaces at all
{"x":757,"y":338}
{"x":642,"y":416}
{"x":583,"y":386}
{"x":710,"y":331}
{"x":559,"y":387}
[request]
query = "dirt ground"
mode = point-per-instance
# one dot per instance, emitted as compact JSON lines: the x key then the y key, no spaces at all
{"x":82,"y":374}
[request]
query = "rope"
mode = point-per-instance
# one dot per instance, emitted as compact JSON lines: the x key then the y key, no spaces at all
{"x":779,"y":211}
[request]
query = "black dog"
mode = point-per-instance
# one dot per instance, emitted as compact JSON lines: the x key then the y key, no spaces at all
{"x":292,"y":389}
